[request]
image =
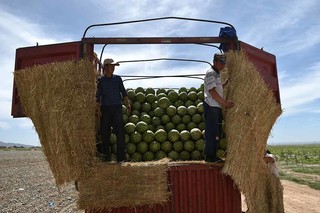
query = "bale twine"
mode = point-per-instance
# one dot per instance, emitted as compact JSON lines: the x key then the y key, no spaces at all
{"x":124,"y":185}
{"x":59,"y":99}
{"x":247,"y":128}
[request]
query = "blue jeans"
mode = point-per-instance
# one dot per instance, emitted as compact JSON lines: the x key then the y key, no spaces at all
{"x":213,"y":121}
{"x":111,"y":116}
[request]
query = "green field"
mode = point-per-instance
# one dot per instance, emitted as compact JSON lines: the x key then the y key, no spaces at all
{"x":299,"y":163}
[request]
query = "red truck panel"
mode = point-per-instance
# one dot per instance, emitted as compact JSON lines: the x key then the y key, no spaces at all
{"x":195,"y":188}
{"x":30,"y":56}
{"x":265,"y":64}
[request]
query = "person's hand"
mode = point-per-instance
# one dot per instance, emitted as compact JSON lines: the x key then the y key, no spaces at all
{"x":128,"y":107}
{"x":228,"y":104}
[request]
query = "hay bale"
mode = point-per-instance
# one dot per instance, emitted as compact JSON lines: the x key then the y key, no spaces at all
{"x":124,"y":185}
{"x":247,"y":128}
{"x":59,"y":99}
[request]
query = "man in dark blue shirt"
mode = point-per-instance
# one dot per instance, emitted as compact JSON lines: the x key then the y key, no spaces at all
{"x":110,"y":91}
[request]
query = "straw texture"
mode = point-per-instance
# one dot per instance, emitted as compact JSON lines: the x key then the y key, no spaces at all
{"x":247,"y":128}
{"x":124,"y":185}
{"x":59,"y":99}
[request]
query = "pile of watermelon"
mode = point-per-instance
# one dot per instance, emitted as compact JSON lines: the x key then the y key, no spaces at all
{"x":164,"y":123}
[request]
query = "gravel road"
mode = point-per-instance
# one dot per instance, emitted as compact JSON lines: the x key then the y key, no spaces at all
{"x":27,"y":185}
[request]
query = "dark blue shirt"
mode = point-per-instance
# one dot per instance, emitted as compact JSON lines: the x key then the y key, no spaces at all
{"x":110,"y":90}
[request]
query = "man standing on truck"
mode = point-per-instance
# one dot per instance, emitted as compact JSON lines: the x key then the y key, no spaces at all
{"x":213,"y":103}
{"x":110,"y":91}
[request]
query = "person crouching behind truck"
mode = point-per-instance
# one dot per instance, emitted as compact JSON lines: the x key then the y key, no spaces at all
{"x":213,"y":103}
{"x":110,"y":90}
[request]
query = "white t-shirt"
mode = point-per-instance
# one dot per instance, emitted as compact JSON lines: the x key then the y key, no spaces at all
{"x":212,"y":80}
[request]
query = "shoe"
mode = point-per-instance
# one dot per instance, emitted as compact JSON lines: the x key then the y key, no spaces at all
{"x":214,"y":160}
{"x":219,"y":160}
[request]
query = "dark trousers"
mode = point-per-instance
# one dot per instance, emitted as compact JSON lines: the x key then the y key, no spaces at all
{"x":213,"y":121}
{"x":112,"y":117}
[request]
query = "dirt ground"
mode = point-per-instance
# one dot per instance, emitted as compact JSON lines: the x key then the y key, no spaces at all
{"x":27,"y":185}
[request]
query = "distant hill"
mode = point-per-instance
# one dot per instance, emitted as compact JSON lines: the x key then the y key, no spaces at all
{"x":3,"y":144}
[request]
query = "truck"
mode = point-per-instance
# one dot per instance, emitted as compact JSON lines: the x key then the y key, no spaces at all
{"x":193,"y":187}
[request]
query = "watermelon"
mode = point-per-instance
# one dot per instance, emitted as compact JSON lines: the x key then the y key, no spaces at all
{"x":178,"y":146}
{"x":183,"y":96}
{"x":139,"y":89}
{"x":196,"y":155}
{"x":173,"y":135}
{"x":148,"y":136}
{"x":166,"y":146}
{"x":113,"y":139}
{"x":178,"y":103}
{"x":134,"y":119}
{"x":150,"y":98}
{"x":182,"y":110}
{"x":150,"y":90}
{"x":160,"y":91}
{"x":136,"y":105}
{"x":141,"y":126}
{"x":145,"y":118}
{"x":159,"y":112}
{"x":199,"y":145}
{"x":192,"y":96}
{"x":154,"y":146}
{"x":145,"y":107}
{"x":174,"y":155}
{"x":192,"y":110}
{"x":180,"y":127}
{"x":131,"y":94}
{"x":129,"y":127}
{"x":183,"y":89}
{"x":136,"y":157}
{"x":185,"y":135}
{"x":191,"y":125}
{"x":160,"y":155}
{"x":156,"y":121}
{"x":186,"y":119}
{"x":221,"y":153}
{"x":169,"y":126}
{"x":200,"y":95}
{"x":165,"y":119}
{"x":142,"y":147}
{"x":196,"y":118}
{"x":176,"y":119}
{"x":195,"y":134}
{"x":160,"y":135}
{"x":171,"y":110}
{"x":184,"y":155}
{"x":148,"y":156}
{"x":135,"y":137}
{"x":164,"y":102}
{"x":140,"y":97}
{"x":130,"y":148}
{"x":188,"y":145}
{"x":173,"y":96}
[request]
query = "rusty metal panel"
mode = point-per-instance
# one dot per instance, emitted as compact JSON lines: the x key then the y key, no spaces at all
{"x":196,"y":188}
{"x":36,"y":55}
{"x":265,"y":64}
{"x":203,"y":188}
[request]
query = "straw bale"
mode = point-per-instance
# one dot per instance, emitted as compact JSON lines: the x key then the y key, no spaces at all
{"x":59,"y":99}
{"x":115,"y":185}
{"x":247,"y":127}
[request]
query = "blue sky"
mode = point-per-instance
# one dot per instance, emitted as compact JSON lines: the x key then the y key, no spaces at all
{"x":287,"y":29}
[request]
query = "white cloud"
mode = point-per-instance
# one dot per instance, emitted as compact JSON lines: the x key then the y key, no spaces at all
{"x":284,"y":30}
{"x":300,"y":94}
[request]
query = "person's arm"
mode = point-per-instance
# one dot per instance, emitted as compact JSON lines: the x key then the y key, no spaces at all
{"x":127,"y":103}
{"x":125,"y":95}
{"x":219,"y":99}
